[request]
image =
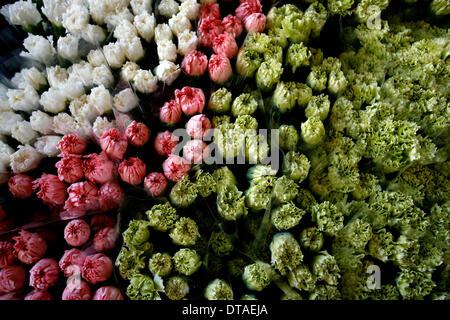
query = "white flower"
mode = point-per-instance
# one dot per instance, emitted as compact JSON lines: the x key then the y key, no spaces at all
{"x":167,"y":71}
{"x":187,"y":41}
{"x":26,"y":158}
{"x":64,"y":124}
{"x":75,"y":18}
{"x":114,"y":20}
{"x":167,"y":50}
{"x":34,"y":77}
{"x":190,"y":8}
{"x":97,"y":9}
{"x":101,"y":125}
{"x":18,"y":80}
{"x":96,"y":57}
{"x":53,"y":100}
{"x":82,"y":110}
{"x":140,"y":6}
{"x":23,"y":13}
{"x":129,"y":70}
{"x":56,"y":76}
{"x":125,"y":100}
{"x":133,"y":48}
{"x":93,"y":34}
{"x":4,"y":103}
{"x":102,"y":76}
{"x":8,"y":119}
{"x":23,"y":99}
{"x":54,"y":9}
{"x":145,"y":25}
{"x":67,"y":47}
{"x":114,"y":54}
{"x":73,"y":88}
{"x":23,"y":132}
{"x":125,"y":30}
{"x":168,"y":8}
{"x":46,"y":145}
{"x":5,"y":155}
{"x":41,"y":122}
{"x":163,"y":32}
{"x":100,"y":99}
{"x":179,"y":23}
{"x":144,"y":81}
{"x":39,"y":48}
{"x":83,"y":72}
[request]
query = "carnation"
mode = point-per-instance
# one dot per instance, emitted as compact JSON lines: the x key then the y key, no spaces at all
{"x":44,"y":274}
{"x":255,"y":23}
{"x":96,"y":58}
{"x":110,"y":196}
{"x":167,"y":72}
{"x":187,"y":42}
{"x":71,"y":262}
{"x":211,"y":10}
{"x":132,"y":48}
{"x":226,"y":45}
{"x":125,"y":100}
{"x":65,"y":124}
{"x":195,"y":151}
{"x":101,"y":75}
{"x":98,"y":168}
{"x":219,"y":68}
{"x":163,"y":33}
{"x":83,"y":196}
{"x":175,"y":167}
{"x":21,"y":186}
{"x":155,"y":184}
{"x":12,"y":278}
{"x":83,"y":71}
{"x":167,"y":50}
{"x":39,"y":48}
{"x":23,"y":13}
{"x":129,"y":70}
{"x":23,"y":132}
{"x":41,"y":122}
{"x":168,"y":8}
{"x":105,"y":239}
{"x":29,"y":247}
{"x":108,"y":293}
{"x":76,"y":289}
{"x":34,"y":78}
{"x":26,"y":99}
{"x":93,"y":34}
{"x":7,"y":254}
{"x":208,"y":29}
{"x":191,"y":100}
{"x":67,"y":47}
{"x":137,"y":134}
{"x":75,"y":18}
{"x":125,"y":30}
{"x":53,"y":10}
{"x":165,"y":143}
{"x":114,"y":54}
{"x":195,"y":63}
{"x":26,"y":158}
{"x":132,"y":170}
{"x":119,"y":17}
{"x":246,"y":8}
{"x":114,"y":143}
{"x":179,"y":23}
{"x":53,"y":100}
{"x":47,"y":145}
{"x":232,"y":25}
{"x":50,"y":189}
{"x":145,"y":25}
{"x":197,"y":126}
{"x":8,"y":119}
{"x":190,"y":8}
{"x":37,"y":294}
{"x":170,"y":112}
{"x":101,"y":221}
{"x":97,"y":268}
{"x":144,"y":81}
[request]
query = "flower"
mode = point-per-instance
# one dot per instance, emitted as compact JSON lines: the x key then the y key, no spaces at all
{"x":76,"y":289}
{"x":248,"y":7}
{"x":102,"y":75}
{"x":29,"y":247}
{"x":155,"y":184}
{"x":38,"y":295}
{"x":191,"y":100}
{"x":46,"y":145}
{"x":50,"y":189}
{"x":44,"y":274}
{"x":190,"y":8}
{"x":108,"y":293}
{"x":12,"y":278}
{"x":167,"y":71}
{"x":67,"y":47}
{"x":167,"y":50}
{"x":225,"y":44}
{"x":97,"y":268}
{"x":244,"y":104}
{"x":70,"y":169}
{"x":114,"y":143}
{"x":220,"y":101}
{"x":26,"y":99}
{"x":160,"y":264}
{"x":195,"y":63}
{"x":7,"y":120}
{"x":77,"y":232}
{"x":218,"y":289}
{"x":98,"y":168}
{"x":175,"y":167}
{"x":7,"y":254}
{"x":39,"y":48}
{"x":187,"y":42}
{"x":83,"y":196}
{"x":232,"y":25}
{"x":71,"y":144}
{"x":21,"y":186}
{"x":198,"y":125}
{"x":162,"y":217}
{"x":179,"y":23}
{"x":183,"y":193}
{"x":145,"y":25}
{"x":186,"y":261}
{"x":219,"y":68}
{"x":132,"y":170}
{"x":137,"y":133}
{"x":129,"y":70}
{"x":163,"y":32}
{"x":255,"y":23}
{"x":165,"y":143}
{"x":71,"y":262}
{"x":100,"y":99}
{"x":114,"y":54}
{"x":23,"y":132}
{"x":144,"y":81}
{"x":170,"y":112}
{"x":101,"y":221}
{"x":110,"y":196}
{"x":196,"y":151}
{"x":105,"y":239}
{"x":75,"y":18}
{"x":126,"y":100}
{"x":41,"y":122}
{"x":185,"y":233}
{"x":23,"y":13}
{"x":208,"y":29}
{"x":210,"y":11}
{"x":168,"y":8}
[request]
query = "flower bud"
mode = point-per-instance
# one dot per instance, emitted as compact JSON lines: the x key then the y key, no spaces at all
{"x":162,"y":217}
{"x":29,"y":247}
{"x":155,"y":184}
{"x":208,"y":29}
{"x":247,"y":62}
{"x":176,"y":288}
{"x":12,"y":278}
{"x":255,"y":23}
{"x":114,"y":143}
{"x":186,"y":261}
{"x":195,"y":63}
{"x":70,"y":169}
{"x":285,"y":96}
{"x":110,"y":196}
{"x":132,"y":170}
{"x":160,"y":264}
{"x":77,"y":233}
{"x":286,"y":252}
{"x":175,"y":167}
{"x":191,"y":100}
{"x":232,"y":25}
{"x":245,"y":104}
{"x":71,"y":262}
{"x":218,"y":290}
{"x":257,"y":276}
{"x":21,"y":186}
{"x":137,"y":134}
{"x":71,"y":144}
{"x":183,"y":193}
{"x":225,"y":44}
{"x":7,"y":254}
{"x":108,"y":293}
{"x":246,"y":8}
{"x":210,"y":10}
{"x":298,"y":55}
{"x":170,"y":112}
{"x":98,"y":168}
{"x":83,"y":196}
{"x":50,"y":189}
{"x":44,"y":274}
{"x":220,"y":101}
{"x":286,"y":216}
{"x":313,"y":130}
{"x":185,"y":232}
{"x":165,"y":143}
{"x":97,"y":268}
{"x":219,"y":68}
{"x":268,"y":75}
{"x":76,"y":289}
{"x":197,"y":126}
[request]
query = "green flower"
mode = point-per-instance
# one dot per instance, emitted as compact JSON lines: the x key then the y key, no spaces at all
{"x":185,"y":232}
{"x":186,"y":261}
{"x":313,"y":130}
{"x":162,"y":217}
{"x":224,"y":177}
{"x":296,"y":27}
{"x":256,"y":148}
{"x":160,"y":264}
{"x":137,"y":234}
{"x":302,"y":278}
{"x":298,"y":55}
{"x":304,"y":94}
{"x":311,"y":239}
{"x":220,"y":243}
{"x":305,"y":199}
{"x":317,"y":79}
{"x":328,"y":217}
{"x":318,"y":106}
{"x":244,"y":104}
{"x":220,"y":101}
{"x":130,"y":262}
{"x":183,"y":193}
{"x":257,"y":276}
{"x":296,"y":166}
{"x":325,"y":268}
{"x":246,"y":123}
{"x":285,"y":96}
{"x":219,"y":121}
{"x":247,"y":62}
{"x":218,"y":289}
{"x":288,"y":136}
{"x":176,"y":288}
{"x":231,"y":203}
{"x":286,"y":254}
{"x":230,"y":141}
{"x":286,"y":216}
{"x":205,"y":183}
{"x":414,"y":284}
{"x":325,"y":292}
{"x":268,"y":75}
{"x":337,"y":82}
{"x":285,"y":189}
{"x":142,"y":287}
{"x":259,"y":196}
{"x":259,"y":172}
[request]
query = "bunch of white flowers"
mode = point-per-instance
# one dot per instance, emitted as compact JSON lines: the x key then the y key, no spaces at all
{"x":22,"y":13}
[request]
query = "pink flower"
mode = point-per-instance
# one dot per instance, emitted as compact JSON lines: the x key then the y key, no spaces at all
{"x":195,"y":63}
{"x":197,"y":126}
{"x":192,"y":100}
{"x":83,"y":196}
{"x":44,"y":274}
{"x":208,"y":29}
{"x":211,"y":10}
{"x":72,"y":262}
{"x":137,"y":133}
{"x":132,"y":170}
{"x":29,"y":247}
{"x":255,"y":23}
{"x":12,"y":278}
{"x":97,"y":268}
{"x":70,"y":169}
{"x":175,"y":167}
{"x":38,"y":295}
{"x":114,"y":144}
{"x":101,"y":221}
{"x":170,"y":112}
{"x":71,"y":144}
{"x":155,"y":184}
{"x":110,"y":196}
{"x":232,"y":25}
{"x":219,"y":68}
{"x":76,"y":289}
{"x":98,"y":168}
{"x":77,"y":232}
{"x":247,"y":8}
{"x":7,"y":254}
{"x":165,"y":143}
{"x":195,"y":151}
{"x":108,"y":293}
{"x":225,"y":44}
{"x":105,"y":239}
{"x":2,"y":213}
{"x":21,"y":186}
{"x":50,"y":189}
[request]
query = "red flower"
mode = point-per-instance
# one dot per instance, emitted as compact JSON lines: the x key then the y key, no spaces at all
{"x":97,"y":268}
{"x":70,"y":169}
{"x":105,"y":239}
{"x":195,"y":151}
{"x":50,"y":189}
{"x":247,"y":8}
{"x":44,"y":274}
{"x":137,"y":134}
{"x":232,"y":25}
{"x":21,"y":186}
{"x":219,"y":68}
{"x":175,"y":167}
{"x":7,"y":254}
{"x":114,"y":144}
{"x":170,"y":112}
{"x":29,"y":247}
{"x":71,"y":144}
{"x":225,"y":44}
{"x":197,"y":126}
{"x":83,"y":196}
{"x":132,"y":170}
{"x":38,"y":295}
{"x":110,"y":196}
{"x":76,"y":289}
{"x":101,"y":221}
{"x":155,"y":184}
{"x":195,"y":63}
{"x":108,"y":293}
{"x":98,"y":168}
{"x":12,"y":278}
{"x":192,"y":100}
{"x":208,"y":29}
{"x":77,"y":232}
{"x":72,"y":262}
{"x":211,"y":10}
{"x":255,"y":23}
{"x":165,"y":143}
